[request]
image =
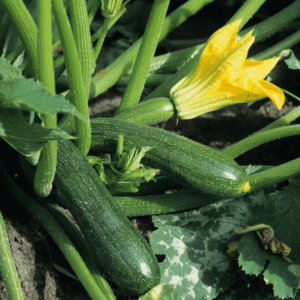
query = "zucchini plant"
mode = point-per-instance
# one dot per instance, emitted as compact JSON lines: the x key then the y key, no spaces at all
{"x":105,"y":169}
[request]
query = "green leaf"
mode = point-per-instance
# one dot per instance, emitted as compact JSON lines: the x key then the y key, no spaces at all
{"x":26,"y":138}
{"x":195,"y":245}
{"x":29,"y":95}
{"x":281,"y":211}
{"x":291,"y":60}
{"x":8,"y":72}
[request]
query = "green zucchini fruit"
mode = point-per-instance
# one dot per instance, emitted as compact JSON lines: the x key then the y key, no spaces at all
{"x":148,"y":112}
{"x":122,"y":251}
{"x":189,"y":163}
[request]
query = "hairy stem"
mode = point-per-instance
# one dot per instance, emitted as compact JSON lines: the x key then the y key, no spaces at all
{"x":260,"y":138}
{"x":146,"y":52}
{"x":47,"y":162}
{"x":77,"y":88}
{"x":26,"y":29}
{"x":7,"y":267}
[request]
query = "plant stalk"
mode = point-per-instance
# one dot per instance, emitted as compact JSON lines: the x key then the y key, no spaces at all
{"x":246,"y":11}
{"x":260,"y":138}
{"x":81,"y":30}
{"x":94,"y":37}
{"x":101,"y":38}
{"x":274,"y":175}
{"x":146,"y":52}
{"x":26,"y":29}
{"x":47,"y":162}
{"x":277,"y":48}
{"x":77,"y":87}
{"x":7,"y":267}
{"x":284,"y":120}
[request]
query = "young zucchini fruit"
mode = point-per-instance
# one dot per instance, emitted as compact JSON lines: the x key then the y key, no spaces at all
{"x":148,"y":112}
{"x":189,"y":163}
{"x":122,"y":251}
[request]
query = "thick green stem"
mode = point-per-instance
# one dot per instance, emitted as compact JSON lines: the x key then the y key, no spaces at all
{"x":54,"y":229}
{"x":94,"y":37}
{"x":101,"y":38}
{"x":285,"y":120}
{"x":26,"y":29}
{"x":81,"y":30}
{"x":259,"y":139}
{"x":152,"y":80}
{"x":277,"y":48}
{"x":7,"y":267}
{"x":173,"y":60}
{"x":246,"y":11}
{"x":275,"y":23}
{"x":146,"y":52}
{"x":77,"y":88}
{"x":47,"y":163}
{"x":275,"y":175}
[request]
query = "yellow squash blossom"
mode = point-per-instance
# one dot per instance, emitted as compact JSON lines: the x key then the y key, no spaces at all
{"x":224,"y":77}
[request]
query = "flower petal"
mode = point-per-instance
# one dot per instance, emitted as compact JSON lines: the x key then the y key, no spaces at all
{"x":222,"y":40}
{"x":262,"y":88}
{"x":227,"y":66}
{"x":231,"y":60}
{"x":260,"y":69}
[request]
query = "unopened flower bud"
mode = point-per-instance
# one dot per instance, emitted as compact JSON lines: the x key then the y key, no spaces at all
{"x":110,"y":7}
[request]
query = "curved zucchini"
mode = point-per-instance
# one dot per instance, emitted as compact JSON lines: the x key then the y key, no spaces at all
{"x":120,"y":248}
{"x":189,"y":163}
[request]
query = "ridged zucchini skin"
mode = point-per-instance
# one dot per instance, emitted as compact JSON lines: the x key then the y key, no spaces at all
{"x":148,"y":112}
{"x":189,"y":163}
{"x":121,"y":249}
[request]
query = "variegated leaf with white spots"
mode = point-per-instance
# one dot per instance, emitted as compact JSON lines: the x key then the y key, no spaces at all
{"x":195,"y":245}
